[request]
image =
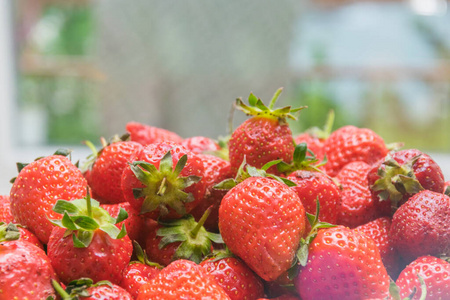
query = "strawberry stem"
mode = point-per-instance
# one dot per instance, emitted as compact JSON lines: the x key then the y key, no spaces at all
{"x":58,"y":288}
{"x":162,"y":187}
{"x":200,"y":223}
{"x":88,"y":203}
{"x":275,"y":98}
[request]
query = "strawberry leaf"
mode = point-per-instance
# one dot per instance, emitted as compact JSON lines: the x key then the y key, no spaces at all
{"x":62,"y":206}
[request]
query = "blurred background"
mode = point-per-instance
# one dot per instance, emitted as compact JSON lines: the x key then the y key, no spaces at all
{"x":74,"y":70}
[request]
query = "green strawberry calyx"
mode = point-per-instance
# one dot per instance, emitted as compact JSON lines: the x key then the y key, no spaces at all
{"x":257,"y":108}
{"x":8,"y":232}
{"x":76,"y":288}
{"x":163,"y":187}
{"x":82,"y":217}
{"x":396,"y":180}
{"x":246,"y":171}
{"x":195,"y":240}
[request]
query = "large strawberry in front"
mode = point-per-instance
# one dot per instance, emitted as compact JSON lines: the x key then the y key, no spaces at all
{"x":263,"y":138}
{"x":37,"y":188}
{"x":261,"y":221}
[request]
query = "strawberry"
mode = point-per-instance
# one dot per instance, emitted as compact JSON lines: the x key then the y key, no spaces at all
{"x":350,"y":143}
{"x":342,"y":264}
{"x":182,"y":238}
{"x":263,"y":138}
{"x":133,"y":224}
{"x":447,"y":187}
{"x":25,"y":235}
{"x":85,"y":289}
{"x":434,"y":271}
{"x":5,"y":209}
{"x":378,"y":230}
{"x":138,"y":273}
{"x":420,"y":226}
{"x":86,"y":242}
{"x":182,"y":279}
{"x":261,"y":221}
{"x":106,"y":171}
{"x":25,"y":270}
{"x":37,"y":188}
{"x":282,"y":297}
{"x":216,"y":170}
{"x":235,"y":277}
{"x":164,"y":180}
{"x":402,"y":174}
{"x":311,"y":186}
{"x":356,"y":206}
{"x":145,"y":134}
{"x":200,"y":144}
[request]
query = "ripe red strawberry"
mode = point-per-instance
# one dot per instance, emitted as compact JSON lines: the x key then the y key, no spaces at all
{"x":133,"y":224}
{"x":145,"y":134}
{"x":378,"y":230}
{"x":106,"y":171}
{"x":261,"y":221}
{"x":86,"y":242}
{"x":420,"y":226}
{"x":25,"y":270}
{"x":182,"y":279}
{"x":181,"y":239}
{"x":237,"y":280}
{"x":37,"y":188}
{"x":263,"y":138}
{"x":138,"y":273}
{"x":342,"y":264}
{"x":200,"y":144}
{"x":164,"y":180}
{"x":5,"y":209}
{"x":85,"y":289}
{"x":312,"y":186}
{"x":216,"y":170}
{"x":356,"y":206}
{"x":402,"y":174}
{"x":434,"y":271}
{"x":350,"y":143}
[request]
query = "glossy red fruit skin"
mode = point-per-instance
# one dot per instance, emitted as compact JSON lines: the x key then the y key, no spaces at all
{"x":421,"y":226}
{"x":37,"y":188}
{"x":153,"y":154}
{"x":136,"y":275}
{"x":5,"y":209}
{"x":106,"y":173}
{"x":145,"y":134}
{"x":216,"y":170}
{"x":104,"y":259}
{"x":235,"y":277}
{"x":133,"y":224}
{"x":200,"y":144}
{"x":350,"y":143}
{"x":182,"y":279}
{"x":25,"y":271}
{"x":426,"y":171}
{"x":434,"y":271}
{"x":356,"y":206}
{"x":106,"y":292}
{"x":261,"y":221}
{"x":378,"y":230}
{"x":342,"y":264}
{"x":260,"y":140}
{"x":314,"y":144}
{"x":28,"y":236}
{"x":311,"y":186}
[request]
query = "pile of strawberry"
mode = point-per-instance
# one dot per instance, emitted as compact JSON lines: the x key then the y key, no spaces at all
{"x":266,"y":215}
